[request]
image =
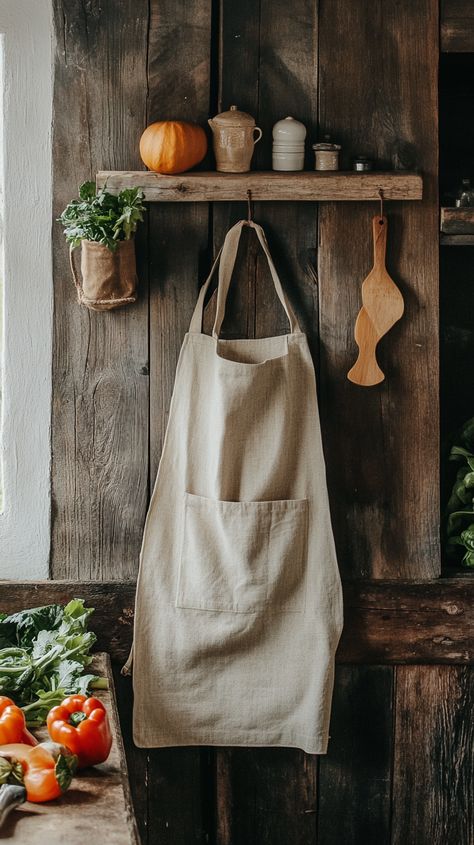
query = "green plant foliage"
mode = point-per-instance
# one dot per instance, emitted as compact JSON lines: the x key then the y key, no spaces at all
{"x":102,"y":217}
{"x":460,"y":507}
{"x":43,"y":654}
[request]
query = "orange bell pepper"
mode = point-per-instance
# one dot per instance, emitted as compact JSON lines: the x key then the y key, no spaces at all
{"x":82,"y":725}
{"x":12,"y":724}
{"x":45,"y":770}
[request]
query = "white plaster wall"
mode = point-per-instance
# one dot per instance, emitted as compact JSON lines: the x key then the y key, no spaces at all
{"x":26,"y":26}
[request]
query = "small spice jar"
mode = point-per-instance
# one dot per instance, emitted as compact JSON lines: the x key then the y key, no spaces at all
{"x":362,"y":164}
{"x":233,"y":140}
{"x":288,"y":144}
{"x":326,"y":154}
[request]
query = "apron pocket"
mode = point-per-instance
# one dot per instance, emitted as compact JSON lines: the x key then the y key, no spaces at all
{"x":243,"y":556}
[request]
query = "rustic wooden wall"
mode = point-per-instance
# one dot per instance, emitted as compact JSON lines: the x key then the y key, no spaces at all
{"x":353,"y":70}
{"x":118,"y":72}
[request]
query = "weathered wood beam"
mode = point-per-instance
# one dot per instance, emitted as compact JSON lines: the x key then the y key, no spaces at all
{"x":457,"y":26}
{"x":266,"y":185}
{"x":386,"y":622}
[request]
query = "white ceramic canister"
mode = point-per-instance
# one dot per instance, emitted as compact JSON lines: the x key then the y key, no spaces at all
{"x":326,"y":155}
{"x":288,"y":144}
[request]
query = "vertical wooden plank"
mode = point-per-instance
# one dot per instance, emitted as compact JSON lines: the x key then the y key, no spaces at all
{"x":433,"y":776}
{"x":268,"y":795}
{"x":238,"y":71}
{"x":177,"y":796}
{"x":288,"y":79}
{"x":100,"y":360}
{"x":457,"y":354}
{"x":137,"y":758}
{"x":354,"y":779}
{"x":378,"y":96}
{"x":179,"y":62}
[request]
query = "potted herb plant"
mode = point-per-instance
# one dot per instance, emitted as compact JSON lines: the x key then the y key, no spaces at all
{"x":104,"y":225}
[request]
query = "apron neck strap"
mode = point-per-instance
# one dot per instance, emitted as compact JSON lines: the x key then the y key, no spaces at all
{"x":227,"y":256}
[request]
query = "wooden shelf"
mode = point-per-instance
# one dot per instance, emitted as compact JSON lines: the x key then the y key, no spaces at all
{"x":456,"y":240}
{"x":310,"y":186}
{"x":457,"y":26}
{"x":457,"y":221}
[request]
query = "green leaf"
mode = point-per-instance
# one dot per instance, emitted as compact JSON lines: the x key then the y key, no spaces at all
{"x":87,"y":190}
{"x":21,"y":628}
{"x":51,"y":663}
{"x":102,"y":217}
{"x":85,"y":683}
{"x":37,"y":710}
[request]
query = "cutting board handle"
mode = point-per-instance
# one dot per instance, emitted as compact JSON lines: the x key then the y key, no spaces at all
{"x":379,"y":231}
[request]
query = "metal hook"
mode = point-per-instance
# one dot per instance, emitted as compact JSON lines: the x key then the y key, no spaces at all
{"x":249,"y":206}
{"x":381,"y":204}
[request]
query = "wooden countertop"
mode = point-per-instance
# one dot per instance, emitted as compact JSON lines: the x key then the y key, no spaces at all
{"x":96,"y":809}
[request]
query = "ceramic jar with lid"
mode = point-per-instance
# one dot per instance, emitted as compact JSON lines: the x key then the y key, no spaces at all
{"x":288,"y":144}
{"x":326,"y":154}
{"x":233,"y":138}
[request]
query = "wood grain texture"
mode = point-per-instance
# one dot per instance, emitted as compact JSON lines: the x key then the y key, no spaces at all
{"x":179,"y":70}
{"x":384,"y":621}
{"x":97,"y":807}
{"x":179,"y":787}
{"x":456,"y":357}
{"x":100,"y":361}
{"x":433,"y":766}
{"x":457,"y":221}
{"x":302,"y":186}
{"x":457,"y":26}
{"x":456,"y":240}
{"x":266,"y":796}
{"x":137,"y":758}
{"x":385,"y":503}
{"x":355,"y":776}
{"x":179,"y":84}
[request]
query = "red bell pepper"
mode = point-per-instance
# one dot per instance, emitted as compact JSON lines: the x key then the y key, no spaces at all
{"x":82,"y":725}
{"x":12,"y":724}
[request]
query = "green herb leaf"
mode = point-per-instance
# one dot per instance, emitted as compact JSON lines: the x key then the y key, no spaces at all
{"x":49,"y":663}
{"x":460,"y":507}
{"x":102,"y":217}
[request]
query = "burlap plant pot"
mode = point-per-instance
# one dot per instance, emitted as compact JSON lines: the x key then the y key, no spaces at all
{"x":109,"y":279}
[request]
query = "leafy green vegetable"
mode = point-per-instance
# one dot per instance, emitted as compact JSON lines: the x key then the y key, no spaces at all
{"x":460,"y":507}
{"x":43,"y":653}
{"x":102,"y":217}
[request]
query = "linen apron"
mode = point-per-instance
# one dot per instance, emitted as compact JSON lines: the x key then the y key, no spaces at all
{"x":239,"y":607}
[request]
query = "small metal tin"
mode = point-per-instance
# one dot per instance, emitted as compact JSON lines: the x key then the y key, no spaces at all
{"x":362,"y":164}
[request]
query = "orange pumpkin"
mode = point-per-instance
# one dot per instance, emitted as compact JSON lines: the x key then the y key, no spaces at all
{"x":172,"y":146}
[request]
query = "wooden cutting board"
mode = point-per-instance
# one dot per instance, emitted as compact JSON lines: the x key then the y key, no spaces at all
{"x":382,"y":306}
